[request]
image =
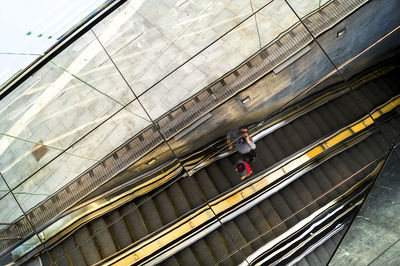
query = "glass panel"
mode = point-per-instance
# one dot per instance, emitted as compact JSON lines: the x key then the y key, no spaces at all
{"x":59,"y":104}
{"x":3,"y":188}
{"x":362,"y":52}
{"x":10,"y":211}
{"x":160,"y":36}
{"x":40,"y":26}
{"x":85,"y":153}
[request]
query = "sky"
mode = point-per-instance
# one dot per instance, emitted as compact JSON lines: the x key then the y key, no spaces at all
{"x":29,"y":28}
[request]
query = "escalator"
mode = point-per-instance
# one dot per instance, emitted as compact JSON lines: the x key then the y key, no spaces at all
{"x":148,"y":215}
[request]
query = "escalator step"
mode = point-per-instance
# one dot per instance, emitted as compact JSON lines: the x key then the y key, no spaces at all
{"x":272,"y":217}
{"x":294,"y":202}
{"x":216,"y":244}
{"x":311,"y":126}
{"x":59,"y":255}
{"x":236,"y":256}
{"x":329,"y":113}
{"x":303,"y":131}
{"x":170,"y":261}
{"x":312,"y":186}
{"x":46,"y":259}
{"x":282,"y":142}
{"x":343,"y":170}
{"x":150,"y":215}
{"x":366,"y":150}
{"x":119,"y":228}
{"x":88,"y":245}
{"x":324,"y":183}
{"x":104,"y":238}
{"x":257,"y":166}
{"x":179,"y":199}
{"x":248,"y":231}
{"x":191,"y":191}
{"x":304,"y":195}
{"x":166,"y":207}
{"x":281,"y":207}
{"x":203,"y":253}
{"x":260,"y":223}
{"x":334,"y":176}
{"x":186,"y":257}
{"x":264,"y":153}
{"x":294,"y":137}
{"x":206,"y":185}
{"x":319,"y":120}
{"x":135,"y":220}
{"x":274,"y":147}
{"x":218,"y":177}
{"x":322,"y":254}
{"x":74,"y":252}
{"x":237,"y":237}
{"x":313,"y":260}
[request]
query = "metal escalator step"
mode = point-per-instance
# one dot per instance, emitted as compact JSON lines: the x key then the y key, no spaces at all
{"x":303,"y":131}
{"x":313,"y":187}
{"x":46,"y":259}
{"x":88,"y":245}
{"x":236,"y":258}
{"x":379,"y":93}
{"x":272,"y":217}
{"x":248,"y":231}
{"x":216,"y":245}
{"x":171,"y":261}
{"x":203,"y":253}
{"x":350,"y":161}
{"x":345,"y":109}
{"x":366,"y":150}
{"x":104,"y":238}
{"x":343,"y":170}
{"x":74,"y":252}
{"x":178,"y":197}
{"x":391,"y":129}
{"x":260,"y":223}
{"x":366,"y":96}
{"x":282,"y":141}
{"x":206,"y":184}
{"x":186,"y":257}
{"x":165,"y":207}
{"x":294,"y":202}
{"x":191,"y":191}
{"x":313,"y":260}
{"x":358,"y":156}
{"x":218,"y":177}
{"x":237,"y":237}
{"x":311,"y":126}
{"x":304,"y":195}
{"x":275,"y":148}
{"x":119,"y":228}
{"x":60,"y":256}
{"x":135,"y":220}
{"x":330,"y":247}
{"x":151,"y":215}
{"x":322,"y":254}
{"x":334,"y":176}
{"x":380,"y":143}
{"x":264,"y":153}
{"x":324,"y":183}
{"x":331,"y":116}
{"x":281,"y":207}
{"x":227,"y":167}
{"x":319,"y":120}
{"x":294,"y":137}
{"x":302,"y":262}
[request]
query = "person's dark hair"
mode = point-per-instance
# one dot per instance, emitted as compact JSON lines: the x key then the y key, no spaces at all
{"x":240,"y":167}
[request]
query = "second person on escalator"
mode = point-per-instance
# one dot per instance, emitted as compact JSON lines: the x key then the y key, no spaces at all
{"x":245,"y":145}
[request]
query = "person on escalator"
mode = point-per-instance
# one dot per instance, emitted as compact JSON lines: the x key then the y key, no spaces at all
{"x":243,"y":169}
{"x":245,"y":145}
